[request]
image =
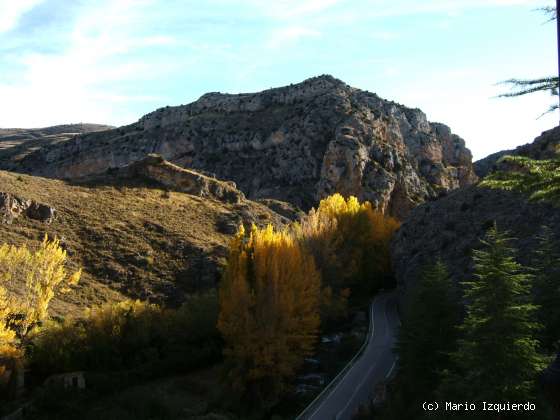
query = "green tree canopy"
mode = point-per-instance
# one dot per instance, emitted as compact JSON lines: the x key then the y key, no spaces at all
{"x":496,"y":358}
{"x":539,"y":178}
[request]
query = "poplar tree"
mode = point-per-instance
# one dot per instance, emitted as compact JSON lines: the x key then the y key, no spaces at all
{"x":269,"y":310}
{"x":496,"y":357}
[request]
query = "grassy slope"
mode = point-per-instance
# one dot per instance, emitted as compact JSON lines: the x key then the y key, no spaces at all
{"x":132,"y":240}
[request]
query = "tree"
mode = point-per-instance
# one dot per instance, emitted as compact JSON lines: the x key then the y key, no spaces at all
{"x":426,"y":338}
{"x":547,"y":288}
{"x":527,"y":86}
{"x":269,"y":310}
{"x":7,"y":336}
{"x":349,"y":241}
{"x":539,"y":178}
{"x":43,"y":273}
{"x":496,"y":357}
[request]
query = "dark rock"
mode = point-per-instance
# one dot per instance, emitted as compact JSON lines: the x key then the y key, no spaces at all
{"x":451,"y":227}
{"x":450,"y":230}
{"x":40,"y":212}
{"x":11,"y":207}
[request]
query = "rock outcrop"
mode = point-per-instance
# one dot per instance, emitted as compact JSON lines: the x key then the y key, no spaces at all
{"x":155,"y":168}
{"x":451,"y":227}
{"x":297,"y":144}
{"x":546,"y":146}
{"x":12,"y":207}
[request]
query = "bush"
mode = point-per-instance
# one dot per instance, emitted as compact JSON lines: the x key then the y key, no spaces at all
{"x":128,"y":335}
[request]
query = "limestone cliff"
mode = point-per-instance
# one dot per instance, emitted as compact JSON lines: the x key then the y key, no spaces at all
{"x":452,"y":227}
{"x":296,"y":143}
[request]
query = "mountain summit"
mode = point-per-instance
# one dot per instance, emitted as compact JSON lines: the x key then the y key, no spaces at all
{"x":296,"y":143}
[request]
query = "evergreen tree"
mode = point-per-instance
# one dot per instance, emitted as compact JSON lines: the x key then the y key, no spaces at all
{"x":539,"y":178}
{"x":496,"y":357}
{"x":527,"y":86}
{"x":426,"y":338}
{"x":547,"y":288}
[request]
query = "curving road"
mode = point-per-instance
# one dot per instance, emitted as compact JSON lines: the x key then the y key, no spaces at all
{"x":374,"y":366}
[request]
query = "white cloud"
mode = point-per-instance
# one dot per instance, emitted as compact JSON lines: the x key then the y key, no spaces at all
{"x":290,"y":34}
{"x":290,"y":9}
{"x":75,"y":85}
{"x":12,"y":10}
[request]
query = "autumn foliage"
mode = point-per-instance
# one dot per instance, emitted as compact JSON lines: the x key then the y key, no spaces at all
{"x":350,"y":242}
{"x":44,"y":274}
{"x":271,"y":298}
{"x":269,"y":314}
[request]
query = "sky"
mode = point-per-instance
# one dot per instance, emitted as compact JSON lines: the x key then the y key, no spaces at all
{"x":112,"y":61}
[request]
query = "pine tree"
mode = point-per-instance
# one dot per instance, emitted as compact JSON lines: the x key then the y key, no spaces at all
{"x":269,"y":310}
{"x":426,"y":338}
{"x":496,"y":357}
{"x":545,"y":84}
{"x":538,"y":178}
{"x":547,"y":288}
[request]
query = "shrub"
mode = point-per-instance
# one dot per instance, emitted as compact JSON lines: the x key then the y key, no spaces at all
{"x":128,"y":335}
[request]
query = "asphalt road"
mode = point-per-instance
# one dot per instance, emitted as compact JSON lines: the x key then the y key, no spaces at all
{"x":375,"y":365}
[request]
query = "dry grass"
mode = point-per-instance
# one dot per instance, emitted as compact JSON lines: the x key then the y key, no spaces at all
{"x":133,"y":240}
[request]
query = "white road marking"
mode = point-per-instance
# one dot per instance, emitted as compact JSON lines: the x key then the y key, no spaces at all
{"x":391,"y":370}
{"x":342,"y":379}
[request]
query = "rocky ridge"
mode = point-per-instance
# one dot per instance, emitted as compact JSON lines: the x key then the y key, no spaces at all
{"x":451,"y":227}
{"x":546,"y":146}
{"x":297,"y":144}
{"x":154,"y":168}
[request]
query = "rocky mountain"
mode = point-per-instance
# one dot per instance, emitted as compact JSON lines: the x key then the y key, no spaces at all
{"x":451,"y":227}
{"x":148,"y":231}
{"x":296,"y":144}
{"x":546,"y":146}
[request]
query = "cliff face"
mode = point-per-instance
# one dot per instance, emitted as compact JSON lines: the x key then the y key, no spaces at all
{"x":297,"y":144}
{"x":451,"y":227}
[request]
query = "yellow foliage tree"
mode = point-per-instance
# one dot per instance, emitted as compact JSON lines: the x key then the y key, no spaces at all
{"x":349,"y":241}
{"x":7,"y":336}
{"x":269,"y":309}
{"x":43,"y":273}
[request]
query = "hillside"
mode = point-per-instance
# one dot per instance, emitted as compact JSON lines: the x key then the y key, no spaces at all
{"x":134,"y":236}
{"x":34,"y":138}
{"x":297,"y":143}
{"x":544,"y":147}
{"x":451,"y":227}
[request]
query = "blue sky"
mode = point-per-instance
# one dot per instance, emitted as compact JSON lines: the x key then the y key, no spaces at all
{"x":112,"y":61}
